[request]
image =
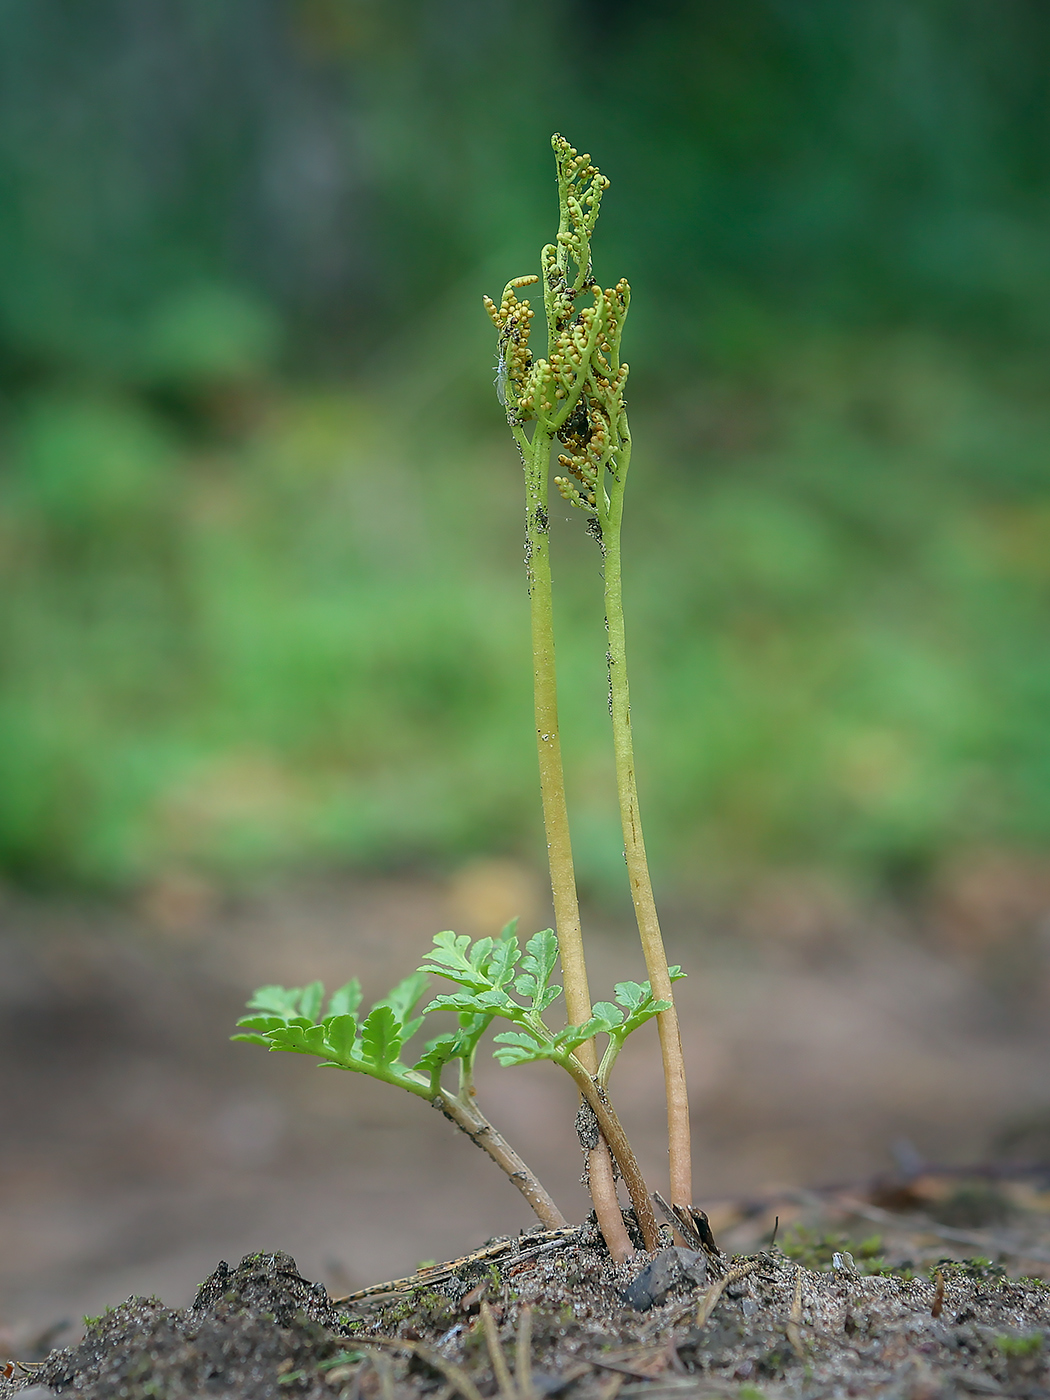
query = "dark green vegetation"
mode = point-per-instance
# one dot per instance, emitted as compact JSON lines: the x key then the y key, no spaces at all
{"x":223,"y":643}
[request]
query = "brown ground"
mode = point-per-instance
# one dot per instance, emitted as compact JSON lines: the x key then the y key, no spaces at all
{"x":140,"y":1146}
{"x":553,"y":1317}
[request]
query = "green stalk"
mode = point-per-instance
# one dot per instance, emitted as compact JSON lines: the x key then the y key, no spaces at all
{"x":610,"y":516}
{"x":535,"y":456}
{"x":588,"y":372}
{"x":575,"y":394}
{"x":548,"y":741}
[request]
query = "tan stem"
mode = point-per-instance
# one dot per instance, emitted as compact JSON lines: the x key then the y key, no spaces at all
{"x":601,"y":1182}
{"x":612,"y":1131}
{"x":482,"y":1134}
{"x":678,"y":1133}
{"x":556,"y":820}
{"x":548,"y":745}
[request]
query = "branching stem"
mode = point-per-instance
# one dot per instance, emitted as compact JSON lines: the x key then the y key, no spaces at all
{"x":612,"y":1131}
{"x":481,"y":1132}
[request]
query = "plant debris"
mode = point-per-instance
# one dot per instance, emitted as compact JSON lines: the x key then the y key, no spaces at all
{"x":530,"y":1317}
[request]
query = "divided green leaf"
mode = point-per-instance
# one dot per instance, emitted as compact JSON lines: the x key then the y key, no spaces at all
{"x":549,"y":994}
{"x":631,"y":994}
{"x":299,"y":1040}
{"x":346,"y":1000}
{"x":286,"y":1018}
{"x":502,"y":961}
{"x":381,"y":1036}
{"x":536,"y":966}
{"x":439,"y":1051}
{"x":444,"y":1049}
{"x":341,"y":1037}
{"x":261,"y":1023}
{"x":518,"y":1048}
{"x":404,"y":996}
{"x":310,"y":1002}
{"x":479,"y":954}
{"x":282,"y":1001}
{"x":448,"y":959}
{"x":452,"y":1001}
{"x":494,"y":1002}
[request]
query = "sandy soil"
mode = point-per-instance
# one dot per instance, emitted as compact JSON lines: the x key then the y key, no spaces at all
{"x":556,"y":1317}
{"x":140,"y":1145}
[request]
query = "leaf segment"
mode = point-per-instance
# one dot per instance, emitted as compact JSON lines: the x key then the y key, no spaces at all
{"x":486,"y":973}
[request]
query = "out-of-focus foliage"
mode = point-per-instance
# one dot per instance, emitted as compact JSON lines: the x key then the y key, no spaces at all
{"x":248,"y":420}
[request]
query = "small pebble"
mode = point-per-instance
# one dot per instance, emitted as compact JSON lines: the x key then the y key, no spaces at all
{"x":661,"y":1274}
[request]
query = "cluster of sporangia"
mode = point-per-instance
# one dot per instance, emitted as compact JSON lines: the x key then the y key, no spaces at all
{"x":576,"y":393}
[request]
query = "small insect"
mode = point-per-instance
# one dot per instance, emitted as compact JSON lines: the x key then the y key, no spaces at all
{"x":501,"y":378}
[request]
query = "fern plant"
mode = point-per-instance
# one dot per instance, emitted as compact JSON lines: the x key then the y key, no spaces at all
{"x":573,"y":396}
{"x":496,"y":982}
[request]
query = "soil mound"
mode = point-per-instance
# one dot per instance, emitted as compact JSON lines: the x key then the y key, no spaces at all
{"x":548,"y":1314}
{"x":247,"y":1331}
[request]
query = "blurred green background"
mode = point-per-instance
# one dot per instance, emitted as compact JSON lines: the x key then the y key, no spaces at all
{"x":261,"y":594}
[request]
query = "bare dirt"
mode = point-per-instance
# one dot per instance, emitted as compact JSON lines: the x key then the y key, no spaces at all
{"x":827,"y":1042}
{"x":554,"y":1317}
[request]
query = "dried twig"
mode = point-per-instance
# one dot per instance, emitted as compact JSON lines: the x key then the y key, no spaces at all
{"x":385,"y":1371}
{"x":523,"y":1355}
{"x":711,"y":1297}
{"x":423,"y":1278}
{"x":454,"y":1374}
{"x":794,"y":1336}
{"x":500,"y":1368}
{"x":694,"y":1228}
{"x":623,"y":1367}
